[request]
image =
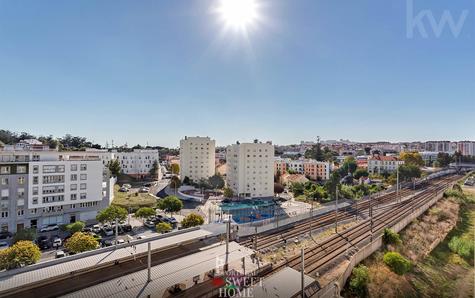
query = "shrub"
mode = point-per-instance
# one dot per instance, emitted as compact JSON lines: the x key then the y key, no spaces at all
{"x":192,"y":220}
{"x":24,"y":234}
{"x":75,"y":227}
{"x":21,"y":254}
{"x":391,"y":237}
{"x":80,"y":242}
{"x":397,"y":263}
{"x":359,"y":280}
{"x":163,"y":227}
{"x":461,"y":246}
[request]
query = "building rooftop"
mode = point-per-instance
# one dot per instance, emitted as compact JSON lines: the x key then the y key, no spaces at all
{"x":166,"y":275}
{"x":36,"y":273}
{"x":285,"y":283}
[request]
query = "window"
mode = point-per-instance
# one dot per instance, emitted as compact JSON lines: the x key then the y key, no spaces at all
{"x":74,"y":177}
{"x":53,"y":179}
{"x":20,"y":192}
{"x":49,"y":169}
{"x":74,"y":186}
{"x":21,"y":180}
{"x":74,"y":167}
{"x":35,"y":200}
{"x":83,"y":176}
{"x":83,"y":196}
{"x":83,"y":167}
{"x":5,"y":170}
{"x":21,"y":169}
{"x":20,"y":212}
{"x":4,"y":181}
{"x":35,"y":179}
{"x":83,"y":186}
{"x":4,"y":214}
{"x":35,"y":190}
{"x":74,"y":196}
{"x":35,"y":169}
{"x":33,"y":211}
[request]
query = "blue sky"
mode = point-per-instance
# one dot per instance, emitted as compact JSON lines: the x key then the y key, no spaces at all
{"x":155,"y":71}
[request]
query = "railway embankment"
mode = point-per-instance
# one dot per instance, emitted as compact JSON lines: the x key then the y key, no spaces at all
{"x":438,"y":248}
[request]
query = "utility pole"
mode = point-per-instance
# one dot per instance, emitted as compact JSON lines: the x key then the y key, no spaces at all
{"x":116,"y":230}
{"x":371,"y":216}
{"x":255,"y":238}
{"x":336,"y":210}
{"x":397,"y":182}
{"x":149,"y":262}
{"x":228,"y":224}
{"x":302,"y":272}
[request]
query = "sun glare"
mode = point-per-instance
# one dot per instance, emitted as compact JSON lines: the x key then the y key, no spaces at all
{"x":238,"y":14}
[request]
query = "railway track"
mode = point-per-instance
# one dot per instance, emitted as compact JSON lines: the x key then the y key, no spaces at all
{"x":348,"y":241}
{"x":267,"y":240}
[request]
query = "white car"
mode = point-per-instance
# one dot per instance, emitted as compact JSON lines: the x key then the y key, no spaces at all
{"x":120,"y":241}
{"x":139,"y":237}
{"x":60,"y":254}
{"x":57,"y":242}
{"x":3,"y":245}
{"x":96,"y":229}
{"x":108,"y":231}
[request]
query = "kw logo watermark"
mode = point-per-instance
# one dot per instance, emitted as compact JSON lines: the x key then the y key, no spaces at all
{"x":426,"y":17}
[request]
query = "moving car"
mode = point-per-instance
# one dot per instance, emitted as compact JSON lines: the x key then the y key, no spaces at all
{"x":141,"y":237}
{"x":60,"y":254}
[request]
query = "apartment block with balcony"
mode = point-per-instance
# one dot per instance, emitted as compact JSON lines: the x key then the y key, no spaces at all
{"x":197,"y":158}
{"x":50,"y":187}
{"x":313,"y":169}
{"x":250,"y":169}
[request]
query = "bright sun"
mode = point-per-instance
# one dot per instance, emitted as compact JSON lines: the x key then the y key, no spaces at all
{"x":238,"y":14}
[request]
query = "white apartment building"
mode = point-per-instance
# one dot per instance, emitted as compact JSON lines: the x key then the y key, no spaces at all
{"x":250,"y":169}
{"x":197,"y":158}
{"x":39,"y":188}
{"x":379,"y":164}
{"x":466,"y":148}
{"x":137,"y":163}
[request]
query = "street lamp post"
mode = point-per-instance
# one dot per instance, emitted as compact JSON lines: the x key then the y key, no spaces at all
{"x":336,"y":210}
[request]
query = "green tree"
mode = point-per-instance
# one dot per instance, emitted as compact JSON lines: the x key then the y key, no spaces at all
{"x":111,"y":214}
{"x":170,"y":204}
{"x":175,"y":182}
{"x":163,"y":227}
{"x":192,"y":220}
{"x":80,"y":242}
{"x":397,"y":263}
{"x":348,"y":166}
{"x":154,"y":170}
{"x":25,"y":234}
{"x":114,"y":167}
{"x":22,"y":253}
{"x":412,"y":158}
{"x":144,"y":212}
{"x":75,"y":227}
{"x":278,"y":188}
{"x":462,"y":246}
{"x":443,"y":159}
{"x":216,"y":181}
{"x":175,"y":168}
{"x":408,"y":172}
{"x":333,"y":183}
{"x":297,"y":188}
{"x":359,"y":280}
{"x":360,"y":172}
{"x":391,"y":237}
{"x":228,"y":192}
{"x":315,"y":152}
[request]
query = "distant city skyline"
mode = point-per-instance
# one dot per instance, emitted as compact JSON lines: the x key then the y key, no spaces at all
{"x":154,"y":72}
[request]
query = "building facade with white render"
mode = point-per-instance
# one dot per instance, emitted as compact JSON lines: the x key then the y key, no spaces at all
{"x":197,"y":158}
{"x":250,"y":169}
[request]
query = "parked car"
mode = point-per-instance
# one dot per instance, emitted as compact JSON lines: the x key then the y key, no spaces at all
{"x":172,"y":220}
{"x":107,"y":242}
{"x":57,"y":242}
{"x":96,"y":229}
{"x":49,"y":228}
{"x":150,"y":224}
{"x":5,"y":235}
{"x":60,"y":254}
{"x":43,"y":242}
{"x":87,"y":229}
{"x":120,"y":241}
{"x":144,"y":189}
{"x":123,"y":189}
{"x":3,"y":245}
{"x":126,"y":227}
{"x":108,"y":231}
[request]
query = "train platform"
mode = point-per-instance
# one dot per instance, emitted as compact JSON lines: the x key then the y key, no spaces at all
{"x":26,"y":280}
{"x":174,"y":276}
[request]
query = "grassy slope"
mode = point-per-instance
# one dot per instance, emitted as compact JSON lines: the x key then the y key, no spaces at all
{"x":125,"y":199}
